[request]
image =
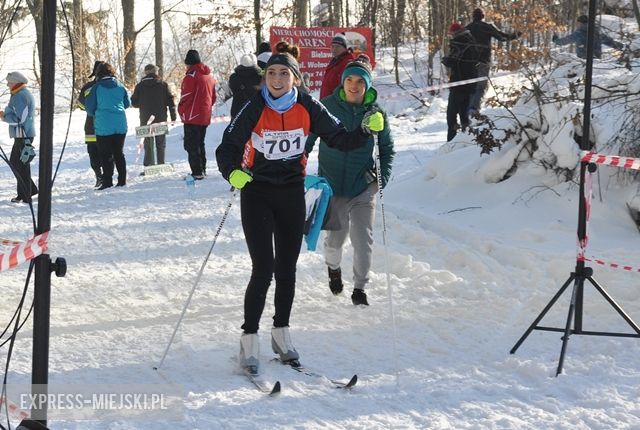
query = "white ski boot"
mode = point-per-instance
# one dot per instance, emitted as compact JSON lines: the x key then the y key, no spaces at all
{"x":250,"y":353}
{"x":281,"y":345}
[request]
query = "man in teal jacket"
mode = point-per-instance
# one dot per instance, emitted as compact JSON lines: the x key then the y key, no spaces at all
{"x":352,"y":176}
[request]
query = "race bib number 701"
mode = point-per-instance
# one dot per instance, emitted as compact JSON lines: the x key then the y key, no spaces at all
{"x":283,"y":144}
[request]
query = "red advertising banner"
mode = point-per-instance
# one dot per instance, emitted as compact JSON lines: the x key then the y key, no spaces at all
{"x":315,"y":46}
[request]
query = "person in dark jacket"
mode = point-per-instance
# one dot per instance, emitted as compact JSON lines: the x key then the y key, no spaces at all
{"x":244,"y":82}
{"x":19,"y":114}
{"x":262,"y":153}
{"x":107,"y":102}
{"x":482,"y":33}
{"x":263,"y":54}
{"x":197,"y":96}
{"x":152,"y":96}
{"x":579,"y":37}
{"x":342,"y":55}
{"x":352,"y":176}
{"x":95,"y":160}
{"x":461,"y":62}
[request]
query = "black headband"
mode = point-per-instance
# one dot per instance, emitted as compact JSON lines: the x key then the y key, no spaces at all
{"x":287,"y":60}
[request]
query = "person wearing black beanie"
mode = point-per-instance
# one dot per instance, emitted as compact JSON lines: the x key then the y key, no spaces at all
{"x":193,"y":57}
{"x":482,"y":33}
{"x":264,"y":47}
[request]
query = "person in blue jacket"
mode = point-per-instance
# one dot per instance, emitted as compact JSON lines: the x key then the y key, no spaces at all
{"x":579,"y":37}
{"x":19,"y":114}
{"x":107,"y":102}
{"x":352,"y":176}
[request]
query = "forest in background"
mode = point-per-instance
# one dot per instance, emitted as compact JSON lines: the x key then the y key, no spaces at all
{"x":126,"y":32}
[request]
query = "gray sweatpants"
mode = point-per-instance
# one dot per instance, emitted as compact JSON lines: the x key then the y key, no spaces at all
{"x":356,"y":216}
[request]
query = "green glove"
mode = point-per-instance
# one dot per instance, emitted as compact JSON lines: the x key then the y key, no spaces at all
{"x":239,"y":178}
{"x":373,"y":123}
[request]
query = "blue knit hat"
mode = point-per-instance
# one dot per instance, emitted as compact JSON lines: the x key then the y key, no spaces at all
{"x":361,"y":67}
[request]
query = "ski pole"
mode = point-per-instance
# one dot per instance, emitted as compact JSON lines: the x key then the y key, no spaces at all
{"x":198,"y":277}
{"x":376,"y":147}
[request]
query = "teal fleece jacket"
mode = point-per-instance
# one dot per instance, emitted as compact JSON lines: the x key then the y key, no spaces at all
{"x":350,"y":173}
{"x":106,"y":103}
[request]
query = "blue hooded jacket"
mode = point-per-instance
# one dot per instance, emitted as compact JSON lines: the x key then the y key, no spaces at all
{"x":21,"y":102}
{"x":107,"y":102}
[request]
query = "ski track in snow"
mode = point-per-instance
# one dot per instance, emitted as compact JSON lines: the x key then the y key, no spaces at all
{"x":466,"y":285}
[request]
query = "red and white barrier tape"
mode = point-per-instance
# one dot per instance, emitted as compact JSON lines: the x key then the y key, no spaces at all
{"x":611,"y":160}
{"x":433,"y":88}
{"x":14,"y":410}
{"x":9,"y":242}
{"x":611,"y":265}
{"x":218,"y":118}
{"x":24,"y":252}
{"x":443,"y":86}
{"x":588,"y":192}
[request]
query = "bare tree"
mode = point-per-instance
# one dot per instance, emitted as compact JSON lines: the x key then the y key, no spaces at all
{"x":300,"y":8}
{"x":81,"y":61}
{"x":157,"y":22}
{"x":636,"y":11}
{"x":397,"y":12}
{"x":257,"y":21}
{"x":129,"y":42}
{"x":35,"y":7}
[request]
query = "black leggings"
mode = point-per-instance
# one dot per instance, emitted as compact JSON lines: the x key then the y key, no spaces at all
{"x":111,"y":151}
{"x":26,"y":186}
{"x":271,"y":215}
{"x":194,"y":145}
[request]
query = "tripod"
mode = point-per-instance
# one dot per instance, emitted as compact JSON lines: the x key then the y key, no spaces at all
{"x":579,"y":277}
{"x":581,"y":273}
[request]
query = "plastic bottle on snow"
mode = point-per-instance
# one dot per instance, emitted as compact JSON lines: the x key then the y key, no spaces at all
{"x":191,"y":186}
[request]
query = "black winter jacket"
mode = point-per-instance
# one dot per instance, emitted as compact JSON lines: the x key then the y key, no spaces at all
{"x":252,"y":138}
{"x":89,"y":129}
{"x":153,"y":97}
{"x":482,"y":32}
{"x":244,"y":83}
{"x":462,"y":59}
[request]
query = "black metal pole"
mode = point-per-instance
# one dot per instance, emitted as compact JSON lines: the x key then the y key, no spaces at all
{"x":585,"y":145}
{"x":581,"y":273}
{"x":42,"y":292}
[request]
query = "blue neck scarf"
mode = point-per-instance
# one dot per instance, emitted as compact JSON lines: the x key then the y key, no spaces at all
{"x":282,"y":103}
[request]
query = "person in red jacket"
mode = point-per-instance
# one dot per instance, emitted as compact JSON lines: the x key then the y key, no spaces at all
{"x":342,"y":55}
{"x":197,"y":96}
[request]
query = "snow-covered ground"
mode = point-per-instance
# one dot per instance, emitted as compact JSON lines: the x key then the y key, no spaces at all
{"x":471,"y":265}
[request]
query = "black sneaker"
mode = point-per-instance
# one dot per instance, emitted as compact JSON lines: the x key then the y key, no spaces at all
{"x":16,"y":200}
{"x":335,"y":281}
{"x":98,"y":182}
{"x":359,"y":297}
{"x":104,"y":186}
